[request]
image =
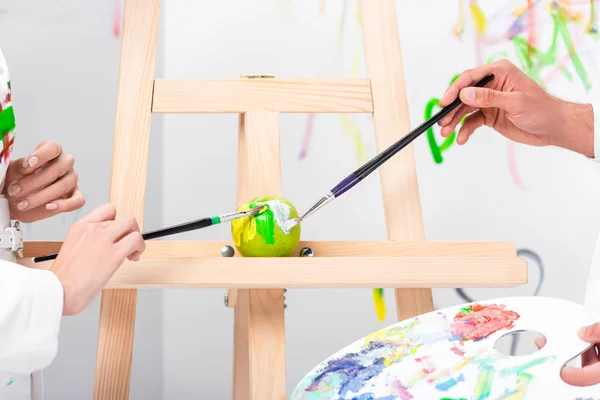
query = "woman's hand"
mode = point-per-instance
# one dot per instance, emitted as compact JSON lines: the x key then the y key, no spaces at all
{"x":43,"y":184}
{"x":94,"y":249}
{"x":518,"y":108}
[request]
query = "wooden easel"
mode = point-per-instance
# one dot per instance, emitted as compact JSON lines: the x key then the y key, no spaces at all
{"x":256,"y":285}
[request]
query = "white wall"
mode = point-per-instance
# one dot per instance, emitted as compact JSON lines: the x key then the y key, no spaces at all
{"x":61,"y":54}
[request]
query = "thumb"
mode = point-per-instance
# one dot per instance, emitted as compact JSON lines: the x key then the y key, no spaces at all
{"x":485,"y":98}
{"x":590,"y":334}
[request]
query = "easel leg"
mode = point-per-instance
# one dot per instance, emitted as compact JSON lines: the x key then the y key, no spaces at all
{"x":259,"y":326}
{"x":392,"y":121}
{"x":115,"y":344}
{"x":127,"y":188}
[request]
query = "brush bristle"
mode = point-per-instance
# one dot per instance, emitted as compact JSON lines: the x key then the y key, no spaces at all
{"x":290,"y":224}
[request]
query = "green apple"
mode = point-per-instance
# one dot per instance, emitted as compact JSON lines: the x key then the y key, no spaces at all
{"x":261,"y":235}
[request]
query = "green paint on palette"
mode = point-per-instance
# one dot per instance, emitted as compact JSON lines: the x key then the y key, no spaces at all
{"x":10,"y":382}
{"x":483,"y":387}
{"x":465,"y":310}
{"x":451,"y":398}
{"x":523,"y":367}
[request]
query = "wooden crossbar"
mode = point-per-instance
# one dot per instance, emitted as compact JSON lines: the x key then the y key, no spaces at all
{"x":281,"y":95}
{"x":320,"y":272}
{"x":208,"y":249}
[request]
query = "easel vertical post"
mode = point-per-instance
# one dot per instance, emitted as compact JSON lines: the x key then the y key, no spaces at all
{"x":259,"y":325}
{"x":127,"y":188}
{"x":391,"y":120}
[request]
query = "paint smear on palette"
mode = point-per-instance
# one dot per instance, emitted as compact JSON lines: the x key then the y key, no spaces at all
{"x":353,"y":372}
{"x":476,"y":322}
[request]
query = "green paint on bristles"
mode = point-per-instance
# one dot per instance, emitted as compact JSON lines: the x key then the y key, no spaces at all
{"x":216,"y":220}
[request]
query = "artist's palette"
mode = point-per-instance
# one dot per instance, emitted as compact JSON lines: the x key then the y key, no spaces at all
{"x":451,"y":354}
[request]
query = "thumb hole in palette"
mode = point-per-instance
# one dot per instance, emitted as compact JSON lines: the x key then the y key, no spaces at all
{"x":531,"y":342}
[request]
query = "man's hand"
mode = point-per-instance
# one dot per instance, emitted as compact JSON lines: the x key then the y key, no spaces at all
{"x":94,"y":249}
{"x":589,"y":374}
{"x":518,"y":108}
{"x":43,"y":184}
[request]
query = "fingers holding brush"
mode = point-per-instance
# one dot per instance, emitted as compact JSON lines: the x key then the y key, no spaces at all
{"x":451,"y":121}
{"x":469,"y":126}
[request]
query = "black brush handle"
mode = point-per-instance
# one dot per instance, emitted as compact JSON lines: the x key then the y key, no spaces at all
{"x":388,"y":153}
{"x":173,"y":230}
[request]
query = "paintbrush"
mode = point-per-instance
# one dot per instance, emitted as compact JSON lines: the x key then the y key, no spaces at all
{"x":364,"y":171}
{"x":188,"y":226}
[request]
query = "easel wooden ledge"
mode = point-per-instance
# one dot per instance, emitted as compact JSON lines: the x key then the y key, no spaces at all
{"x":255,"y":285}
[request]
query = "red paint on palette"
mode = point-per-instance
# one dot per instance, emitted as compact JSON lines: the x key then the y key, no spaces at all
{"x":480,"y":321}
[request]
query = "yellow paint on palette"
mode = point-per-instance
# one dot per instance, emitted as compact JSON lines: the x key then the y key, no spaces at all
{"x":478,"y":17}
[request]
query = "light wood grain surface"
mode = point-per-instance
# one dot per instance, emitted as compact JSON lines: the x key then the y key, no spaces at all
{"x":281,"y":95}
{"x":392,"y":121}
{"x":203,"y":249}
{"x":127,"y":188}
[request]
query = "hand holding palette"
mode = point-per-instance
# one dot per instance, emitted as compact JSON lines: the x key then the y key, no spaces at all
{"x":450,"y":354}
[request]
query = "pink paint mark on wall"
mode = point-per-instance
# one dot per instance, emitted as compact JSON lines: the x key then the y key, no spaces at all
{"x":310,"y":122}
{"x":116,"y":27}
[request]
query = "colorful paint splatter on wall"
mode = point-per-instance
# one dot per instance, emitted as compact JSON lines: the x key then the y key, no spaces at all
{"x":428,"y":354}
{"x":348,"y":122}
{"x":516,"y":29}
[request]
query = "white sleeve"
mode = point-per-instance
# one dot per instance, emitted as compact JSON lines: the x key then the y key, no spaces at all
{"x":592,"y":293}
{"x":596,"y":111}
{"x":31,"y":306}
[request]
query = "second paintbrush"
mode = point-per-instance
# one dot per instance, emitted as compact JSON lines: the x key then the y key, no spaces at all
{"x":186,"y":227}
{"x":369,"y":167}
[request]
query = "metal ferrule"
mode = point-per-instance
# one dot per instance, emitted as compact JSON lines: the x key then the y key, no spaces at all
{"x":240,"y":214}
{"x":328,"y":198}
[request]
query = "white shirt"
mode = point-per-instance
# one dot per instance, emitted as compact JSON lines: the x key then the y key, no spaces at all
{"x":592,"y":293}
{"x":31,"y":300}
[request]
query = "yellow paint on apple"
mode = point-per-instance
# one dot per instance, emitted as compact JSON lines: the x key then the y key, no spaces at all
{"x":261,"y":235}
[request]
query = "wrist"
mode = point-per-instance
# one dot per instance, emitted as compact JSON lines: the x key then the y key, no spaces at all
{"x":576,"y":128}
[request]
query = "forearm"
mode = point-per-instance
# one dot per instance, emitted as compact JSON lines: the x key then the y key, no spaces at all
{"x":31,"y":305}
{"x":576,"y":130}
